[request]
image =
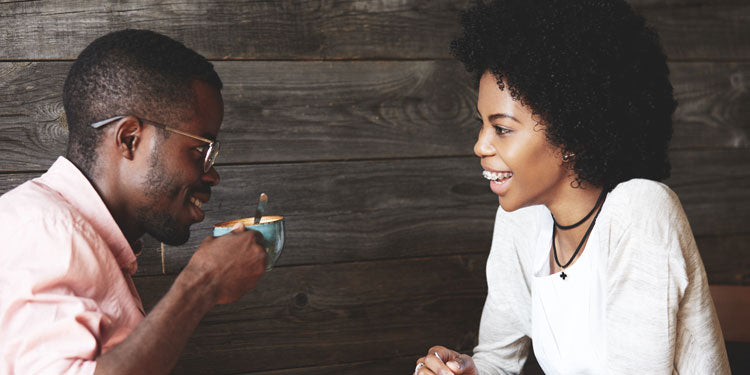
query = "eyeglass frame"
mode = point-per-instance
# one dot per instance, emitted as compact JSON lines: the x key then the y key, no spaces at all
{"x":213,"y":146}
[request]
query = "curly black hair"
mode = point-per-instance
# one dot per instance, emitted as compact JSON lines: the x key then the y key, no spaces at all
{"x":137,"y":72}
{"x":591,"y":69}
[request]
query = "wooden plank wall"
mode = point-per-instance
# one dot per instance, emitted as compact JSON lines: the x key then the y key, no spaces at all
{"x":354,"y":119}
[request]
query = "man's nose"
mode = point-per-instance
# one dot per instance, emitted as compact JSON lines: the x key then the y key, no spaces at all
{"x":212,"y":176}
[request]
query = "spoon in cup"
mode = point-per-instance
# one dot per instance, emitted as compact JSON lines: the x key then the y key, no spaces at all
{"x":261,"y":207}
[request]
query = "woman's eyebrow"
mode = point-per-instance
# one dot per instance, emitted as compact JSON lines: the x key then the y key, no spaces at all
{"x":497,"y":116}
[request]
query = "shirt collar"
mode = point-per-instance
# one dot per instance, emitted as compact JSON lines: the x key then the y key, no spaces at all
{"x":65,"y":178}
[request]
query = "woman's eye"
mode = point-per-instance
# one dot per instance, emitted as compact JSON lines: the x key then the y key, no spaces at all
{"x":501,"y":130}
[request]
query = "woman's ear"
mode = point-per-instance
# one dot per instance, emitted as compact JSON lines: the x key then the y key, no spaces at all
{"x":128,"y":136}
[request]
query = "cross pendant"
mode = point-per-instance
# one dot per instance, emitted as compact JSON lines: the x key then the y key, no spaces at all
{"x":563,"y":275}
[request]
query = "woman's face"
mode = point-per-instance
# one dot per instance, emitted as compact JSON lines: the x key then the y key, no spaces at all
{"x":524,"y":169}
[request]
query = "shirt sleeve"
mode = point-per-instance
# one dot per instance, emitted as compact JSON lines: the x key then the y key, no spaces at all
{"x":51,"y":323}
{"x":504,"y":328}
{"x":660,"y":317}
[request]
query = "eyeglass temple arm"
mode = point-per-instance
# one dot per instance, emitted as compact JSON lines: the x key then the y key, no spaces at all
{"x":180,"y":132}
{"x":99,"y":124}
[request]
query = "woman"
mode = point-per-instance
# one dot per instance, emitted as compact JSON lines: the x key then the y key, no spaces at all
{"x":592,"y":258}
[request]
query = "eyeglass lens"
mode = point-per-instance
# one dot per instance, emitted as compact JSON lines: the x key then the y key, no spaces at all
{"x":211,"y":154}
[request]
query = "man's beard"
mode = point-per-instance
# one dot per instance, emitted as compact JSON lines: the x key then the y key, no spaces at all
{"x":157,"y":221}
{"x":163,"y":227}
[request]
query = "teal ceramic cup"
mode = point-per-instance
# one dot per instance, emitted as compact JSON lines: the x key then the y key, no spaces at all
{"x":272,"y":229}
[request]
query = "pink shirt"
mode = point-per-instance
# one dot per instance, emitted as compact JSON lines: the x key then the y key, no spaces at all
{"x":66,"y":292}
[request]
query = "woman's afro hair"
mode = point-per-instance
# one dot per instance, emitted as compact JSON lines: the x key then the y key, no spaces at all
{"x":592,"y":71}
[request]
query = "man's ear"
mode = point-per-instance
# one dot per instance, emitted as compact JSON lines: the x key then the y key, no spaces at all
{"x":128,"y":136}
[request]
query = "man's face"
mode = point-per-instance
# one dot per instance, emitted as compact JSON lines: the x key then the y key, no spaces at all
{"x":175,"y":185}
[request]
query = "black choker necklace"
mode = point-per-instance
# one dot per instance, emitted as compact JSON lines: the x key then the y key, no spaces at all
{"x":598,"y":200}
{"x":580,"y":244}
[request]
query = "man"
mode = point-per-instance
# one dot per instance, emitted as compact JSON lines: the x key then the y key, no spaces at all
{"x":143,"y":112}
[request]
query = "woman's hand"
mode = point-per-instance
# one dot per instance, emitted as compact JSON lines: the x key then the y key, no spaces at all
{"x":443,"y":361}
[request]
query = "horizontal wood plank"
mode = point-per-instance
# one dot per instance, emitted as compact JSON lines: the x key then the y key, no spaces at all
{"x":725,"y":258}
{"x":312,"y":111}
{"x":329,"y":314}
{"x":713,"y":105}
{"x":381,"y":366}
{"x":710,"y":31}
{"x":257,"y":29}
{"x":714,"y":188}
{"x":407,"y":29}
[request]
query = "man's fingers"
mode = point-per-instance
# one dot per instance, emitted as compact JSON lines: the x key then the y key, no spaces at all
{"x":460,"y":364}
{"x":436,"y":365}
{"x":454,"y":366}
{"x":421,"y":369}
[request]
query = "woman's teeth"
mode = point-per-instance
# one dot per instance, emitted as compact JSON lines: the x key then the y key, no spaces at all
{"x":196,"y":202}
{"x":494,"y":176}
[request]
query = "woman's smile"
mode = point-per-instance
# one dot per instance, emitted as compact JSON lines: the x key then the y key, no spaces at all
{"x":499,"y":181}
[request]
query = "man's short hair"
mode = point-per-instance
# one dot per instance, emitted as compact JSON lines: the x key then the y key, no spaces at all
{"x":129,"y":72}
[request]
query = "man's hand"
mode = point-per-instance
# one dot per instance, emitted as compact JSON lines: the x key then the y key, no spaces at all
{"x":221,"y":271}
{"x":232,"y":263}
{"x":443,"y":361}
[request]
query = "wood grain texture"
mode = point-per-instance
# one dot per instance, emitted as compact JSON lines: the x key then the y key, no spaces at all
{"x":716,"y":31}
{"x":304,"y":111}
{"x":703,"y":178}
{"x":725,"y":258}
{"x":260,"y":29}
{"x":713,"y":105}
{"x":377,"y":367}
{"x":353,"y":29}
{"x":327,"y":314}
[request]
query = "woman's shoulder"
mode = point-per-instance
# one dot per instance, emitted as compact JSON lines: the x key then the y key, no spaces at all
{"x":639,"y":190}
{"x":641,"y":196}
{"x":647,"y":207}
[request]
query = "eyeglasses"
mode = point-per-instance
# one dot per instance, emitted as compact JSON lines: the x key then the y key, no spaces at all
{"x":210,"y":154}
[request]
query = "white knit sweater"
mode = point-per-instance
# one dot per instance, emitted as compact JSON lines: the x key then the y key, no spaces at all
{"x":660,"y":318}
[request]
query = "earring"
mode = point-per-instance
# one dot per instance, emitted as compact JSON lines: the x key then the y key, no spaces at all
{"x":568,"y":157}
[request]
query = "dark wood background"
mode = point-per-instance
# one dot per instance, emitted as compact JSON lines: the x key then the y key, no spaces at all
{"x":354,"y":119}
